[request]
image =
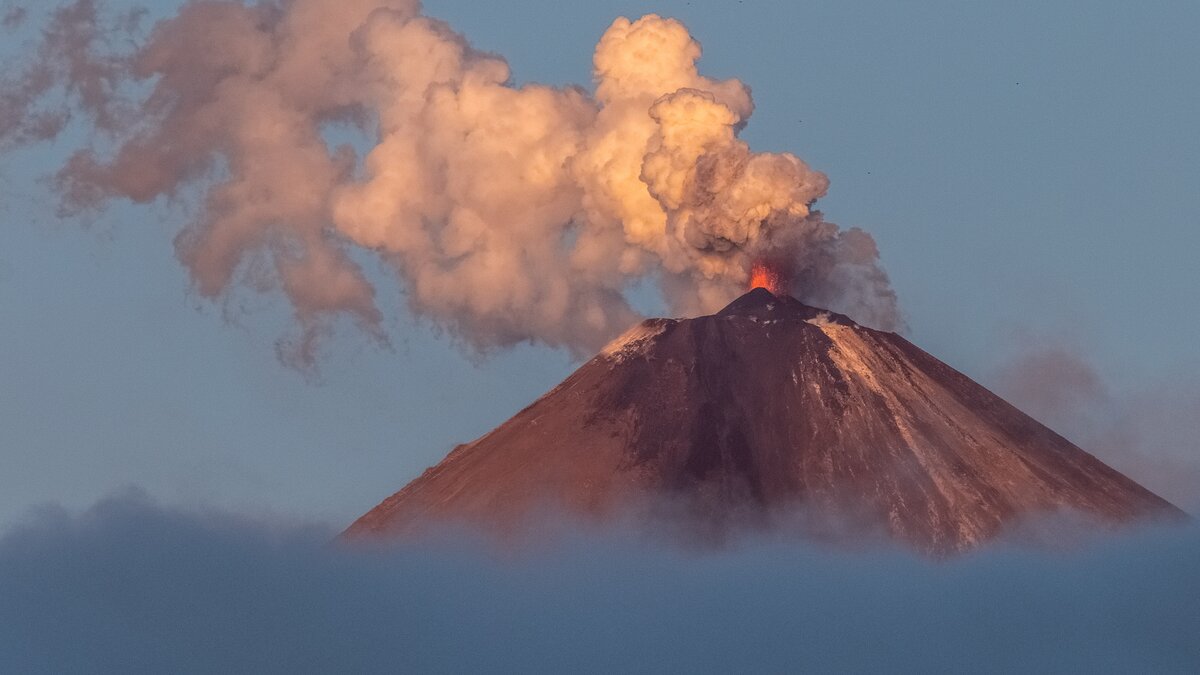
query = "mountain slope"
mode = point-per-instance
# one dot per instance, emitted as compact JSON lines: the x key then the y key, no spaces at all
{"x":765,"y":410}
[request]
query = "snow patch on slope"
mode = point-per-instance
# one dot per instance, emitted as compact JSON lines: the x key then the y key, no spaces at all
{"x":821,"y":320}
{"x":636,"y":340}
{"x":861,"y":361}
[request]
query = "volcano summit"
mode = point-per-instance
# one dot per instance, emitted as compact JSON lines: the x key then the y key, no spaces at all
{"x":774,"y":413}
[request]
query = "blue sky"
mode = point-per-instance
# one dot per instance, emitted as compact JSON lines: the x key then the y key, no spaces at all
{"x":1027,"y":168}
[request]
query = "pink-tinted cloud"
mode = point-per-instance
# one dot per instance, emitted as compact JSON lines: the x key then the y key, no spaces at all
{"x":508,"y":213}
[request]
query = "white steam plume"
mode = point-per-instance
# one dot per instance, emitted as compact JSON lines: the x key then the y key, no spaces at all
{"x":508,"y":213}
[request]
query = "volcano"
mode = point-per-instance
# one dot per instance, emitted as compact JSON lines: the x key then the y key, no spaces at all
{"x":769,"y":413}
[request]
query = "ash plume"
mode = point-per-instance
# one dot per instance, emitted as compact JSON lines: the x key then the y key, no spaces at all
{"x":508,"y":213}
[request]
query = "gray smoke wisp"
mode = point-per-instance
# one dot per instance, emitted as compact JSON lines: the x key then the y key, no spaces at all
{"x":507,"y":213}
{"x":1148,"y":434}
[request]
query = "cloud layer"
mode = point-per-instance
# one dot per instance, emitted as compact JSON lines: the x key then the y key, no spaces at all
{"x":508,"y":213}
{"x":133,"y":587}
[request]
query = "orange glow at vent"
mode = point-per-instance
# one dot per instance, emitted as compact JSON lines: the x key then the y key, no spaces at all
{"x":764,"y":275}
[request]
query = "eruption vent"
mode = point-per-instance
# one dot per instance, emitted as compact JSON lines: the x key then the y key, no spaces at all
{"x":764,"y":274}
{"x":507,"y":213}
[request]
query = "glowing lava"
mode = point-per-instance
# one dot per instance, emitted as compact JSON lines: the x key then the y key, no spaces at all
{"x":765,"y":275}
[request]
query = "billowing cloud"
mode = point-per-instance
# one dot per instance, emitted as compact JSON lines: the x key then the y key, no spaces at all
{"x":508,"y":213}
{"x":132,"y":587}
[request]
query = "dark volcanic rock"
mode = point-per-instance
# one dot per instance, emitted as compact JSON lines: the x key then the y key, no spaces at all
{"x":768,"y":409}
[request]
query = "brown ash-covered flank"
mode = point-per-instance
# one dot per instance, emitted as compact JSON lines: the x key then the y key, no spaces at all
{"x":769,"y":414}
